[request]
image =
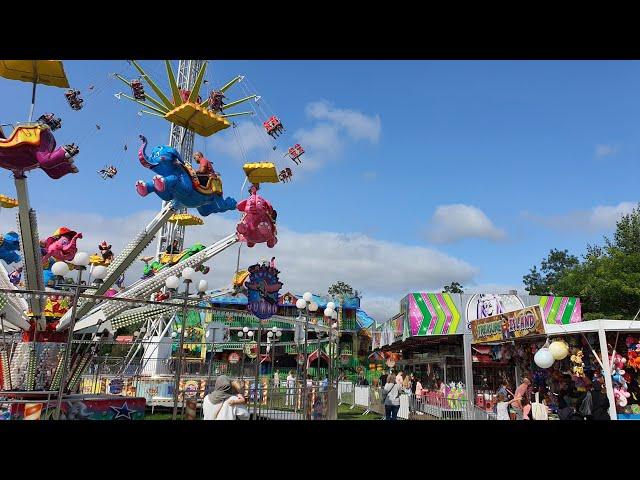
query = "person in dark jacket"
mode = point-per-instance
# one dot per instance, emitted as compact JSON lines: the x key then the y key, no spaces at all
{"x":600,"y":401}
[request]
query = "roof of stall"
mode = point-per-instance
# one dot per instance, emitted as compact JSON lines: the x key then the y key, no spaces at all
{"x":241,"y":299}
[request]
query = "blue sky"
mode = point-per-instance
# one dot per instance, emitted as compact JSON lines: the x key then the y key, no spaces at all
{"x":417,"y":173}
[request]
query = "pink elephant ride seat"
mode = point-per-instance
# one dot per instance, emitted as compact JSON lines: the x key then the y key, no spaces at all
{"x":257,"y":224}
{"x":32,"y":146}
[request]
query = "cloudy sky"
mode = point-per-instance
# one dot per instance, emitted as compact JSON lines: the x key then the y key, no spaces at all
{"x":416,"y":173}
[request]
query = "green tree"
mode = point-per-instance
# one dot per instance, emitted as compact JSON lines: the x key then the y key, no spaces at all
{"x":453,"y":287}
{"x":607,"y":280}
{"x":343,"y":290}
{"x":545,"y":280}
{"x":627,"y":235}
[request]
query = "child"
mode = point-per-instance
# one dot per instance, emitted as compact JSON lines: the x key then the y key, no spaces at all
{"x":502,"y":407}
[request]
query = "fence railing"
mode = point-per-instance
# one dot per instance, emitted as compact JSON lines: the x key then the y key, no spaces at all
{"x":429,"y":406}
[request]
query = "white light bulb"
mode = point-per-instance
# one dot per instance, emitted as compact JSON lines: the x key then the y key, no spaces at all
{"x":328,"y":312}
{"x":240,"y":334}
{"x":81,"y":259}
{"x":172,"y":282}
{"x":313,"y":307}
{"x":331,"y":305}
{"x":99,"y":272}
{"x":270,"y":334}
{"x":188,"y":273}
{"x":334,"y":315}
{"x":202,"y":286}
{"x":250,"y":334}
{"x":307,"y":296}
{"x":301,"y":304}
{"x":245,"y":329}
{"x":279,"y":333}
{"x":60,"y":269}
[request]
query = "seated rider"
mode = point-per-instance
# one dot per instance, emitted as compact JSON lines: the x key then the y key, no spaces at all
{"x":205,"y":169}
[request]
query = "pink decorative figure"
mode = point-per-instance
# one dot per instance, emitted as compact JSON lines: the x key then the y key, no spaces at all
{"x":258,"y":222}
{"x":61,"y":245}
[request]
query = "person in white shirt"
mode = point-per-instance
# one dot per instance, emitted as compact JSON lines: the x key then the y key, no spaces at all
{"x":502,"y":407}
{"x":225,"y":402}
{"x":276,"y":379}
{"x":291,"y":388}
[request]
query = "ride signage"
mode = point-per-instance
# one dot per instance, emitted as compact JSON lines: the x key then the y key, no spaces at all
{"x":508,"y":326}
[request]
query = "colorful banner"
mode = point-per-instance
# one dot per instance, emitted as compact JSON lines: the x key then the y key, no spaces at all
{"x":508,"y":326}
{"x":432,"y":314}
{"x":561,"y":310}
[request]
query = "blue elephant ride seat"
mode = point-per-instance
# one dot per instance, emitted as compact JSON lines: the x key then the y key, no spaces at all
{"x":212,"y":186}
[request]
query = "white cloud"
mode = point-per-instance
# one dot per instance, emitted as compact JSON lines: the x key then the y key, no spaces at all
{"x":383,"y":271}
{"x":246,"y":135}
{"x":455,"y":222}
{"x":605,"y":150}
{"x":323,"y":139}
{"x":357,"y":125}
{"x":600,"y":218}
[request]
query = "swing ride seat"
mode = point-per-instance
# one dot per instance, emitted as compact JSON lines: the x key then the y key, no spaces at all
{"x":171,"y":258}
{"x":46,"y":72}
{"x":8,"y":202}
{"x":261,"y":172}
{"x":193,"y":117}
{"x":32,"y":145}
{"x":213,"y":186}
{"x":240,"y":277}
{"x":185,"y":219}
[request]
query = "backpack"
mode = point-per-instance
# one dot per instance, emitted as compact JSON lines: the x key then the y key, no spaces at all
{"x":538,"y":410}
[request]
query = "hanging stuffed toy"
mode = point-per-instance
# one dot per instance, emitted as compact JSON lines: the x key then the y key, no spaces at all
{"x":578,"y":363}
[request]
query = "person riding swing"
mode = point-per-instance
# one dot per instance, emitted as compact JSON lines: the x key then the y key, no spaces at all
{"x":205,"y":169}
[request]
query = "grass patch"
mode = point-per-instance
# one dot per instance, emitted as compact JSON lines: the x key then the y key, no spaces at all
{"x":346,"y":413}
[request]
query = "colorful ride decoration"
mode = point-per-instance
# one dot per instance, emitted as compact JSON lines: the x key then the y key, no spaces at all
{"x":56,"y":306}
{"x":185,"y":108}
{"x":8,"y":202}
{"x":432,"y":314}
{"x":32,"y":146}
{"x":175,"y":180}
{"x":105,"y":257}
{"x":16,"y":276}
{"x":262,"y":290}
{"x":257,"y":225}
{"x":9,"y":247}
{"x":170,"y":259}
{"x":561,"y":310}
{"x":261,"y":172}
{"x":61,"y":245}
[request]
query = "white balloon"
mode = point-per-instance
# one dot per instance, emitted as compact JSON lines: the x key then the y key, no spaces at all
{"x":559,"y":349}
{"x":543,"y":358}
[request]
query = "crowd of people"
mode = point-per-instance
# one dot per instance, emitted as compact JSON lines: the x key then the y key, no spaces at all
{"x":530,"y":402}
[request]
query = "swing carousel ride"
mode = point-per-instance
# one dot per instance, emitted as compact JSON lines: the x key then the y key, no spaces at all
{"x":36,"y":297}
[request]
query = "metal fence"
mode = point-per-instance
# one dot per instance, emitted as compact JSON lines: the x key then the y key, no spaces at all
{"x":429,"y":406}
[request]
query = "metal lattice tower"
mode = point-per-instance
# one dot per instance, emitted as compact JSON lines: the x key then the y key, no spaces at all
{"x":182,"y":140}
